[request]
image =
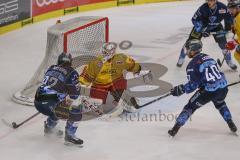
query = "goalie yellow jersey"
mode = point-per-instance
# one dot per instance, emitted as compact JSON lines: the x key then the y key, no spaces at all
{"x":237,"y":27}
{"x":99,"y":73}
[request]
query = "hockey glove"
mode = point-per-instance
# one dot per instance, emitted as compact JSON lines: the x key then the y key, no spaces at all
{"x":178,"y":90}
{"x":230,"y":45}
{"x":205,"y":33}
{"x":228,"y":27}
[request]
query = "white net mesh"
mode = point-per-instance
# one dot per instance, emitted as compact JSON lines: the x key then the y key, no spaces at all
{"x":82,"y":37}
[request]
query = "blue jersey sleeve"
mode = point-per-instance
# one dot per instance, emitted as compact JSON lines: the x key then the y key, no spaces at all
{"x":197,"y":19}
{"x":228,"y":21}
{"x":193,"y":82}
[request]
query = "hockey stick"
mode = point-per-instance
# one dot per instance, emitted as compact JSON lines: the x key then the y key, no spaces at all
{"x":220,"y":63}
{"x":153,"y":101}
{"x":232,"y":84}
{"x":14,"y":125}
{"x":169,"y":94}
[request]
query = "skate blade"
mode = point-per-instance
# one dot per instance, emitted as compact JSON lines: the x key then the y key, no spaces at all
{"x":171,"y":136}
{"x":179,"y":65}
{"x":69,"y":144}
{"x":234,"y":134}
{"x":6,"y":123}
{"x":53,"y":135}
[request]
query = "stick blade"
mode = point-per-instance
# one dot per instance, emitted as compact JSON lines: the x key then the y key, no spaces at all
{"x":7,"y":123}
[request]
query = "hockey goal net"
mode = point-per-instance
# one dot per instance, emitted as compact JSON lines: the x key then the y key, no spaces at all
{"x":82,"y":37}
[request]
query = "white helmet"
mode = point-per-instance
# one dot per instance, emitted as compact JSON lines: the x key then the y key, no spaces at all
{"x":109,"y":48}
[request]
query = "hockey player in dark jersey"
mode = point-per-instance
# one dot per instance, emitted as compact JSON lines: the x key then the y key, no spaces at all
{"x":207,"y":20}
{"x":203,"y":74}
{"x":55,"y":96}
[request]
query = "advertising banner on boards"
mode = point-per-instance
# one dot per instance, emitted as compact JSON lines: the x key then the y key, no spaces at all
{"x":43,"y":6}
{"x":12,"y":11}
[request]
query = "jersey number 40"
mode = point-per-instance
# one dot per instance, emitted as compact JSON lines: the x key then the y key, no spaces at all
{"x":212,"y":73}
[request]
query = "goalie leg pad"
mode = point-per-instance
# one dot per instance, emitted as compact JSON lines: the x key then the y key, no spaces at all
{"x":84,"y":90}
{"x":130,"y":102}
{"x":117,"y":94}
{"x":118,"y":88}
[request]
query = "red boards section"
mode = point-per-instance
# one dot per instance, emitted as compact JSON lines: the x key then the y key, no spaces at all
{"x":44,"y":6}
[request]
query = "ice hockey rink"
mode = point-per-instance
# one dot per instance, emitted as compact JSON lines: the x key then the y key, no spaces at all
{"x":158,"y":32}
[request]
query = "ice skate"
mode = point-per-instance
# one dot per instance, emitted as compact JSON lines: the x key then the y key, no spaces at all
{"x":172,"y":132}
{"x":232,"y":126}
{"x":72,"y":140}
{"x":48,"y":131}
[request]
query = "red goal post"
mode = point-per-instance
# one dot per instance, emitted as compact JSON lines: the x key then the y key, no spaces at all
{"x":66,"y":35}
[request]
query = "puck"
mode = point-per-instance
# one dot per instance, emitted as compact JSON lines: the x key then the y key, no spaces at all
{"x":14,"y":124}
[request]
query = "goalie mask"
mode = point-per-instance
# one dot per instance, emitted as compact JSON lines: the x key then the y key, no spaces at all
{"x":65,"y":59}
{"x":108,"y":50}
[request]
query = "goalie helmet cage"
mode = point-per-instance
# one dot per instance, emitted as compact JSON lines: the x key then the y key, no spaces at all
{"x":83,"y":37}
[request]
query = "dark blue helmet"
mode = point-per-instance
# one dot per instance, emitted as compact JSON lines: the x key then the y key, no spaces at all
{"x":194,"y":45}
{"x":64,"y":58}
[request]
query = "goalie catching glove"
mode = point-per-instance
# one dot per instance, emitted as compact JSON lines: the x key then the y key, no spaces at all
{"x":146,"y":75}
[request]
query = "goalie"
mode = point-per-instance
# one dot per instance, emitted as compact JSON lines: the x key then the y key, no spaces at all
{"x":105,"y":74}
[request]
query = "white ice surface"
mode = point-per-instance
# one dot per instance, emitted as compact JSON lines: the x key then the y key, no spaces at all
{"x":158,"y":32}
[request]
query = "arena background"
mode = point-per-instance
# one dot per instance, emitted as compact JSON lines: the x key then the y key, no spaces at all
{"x":15,"y":14}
